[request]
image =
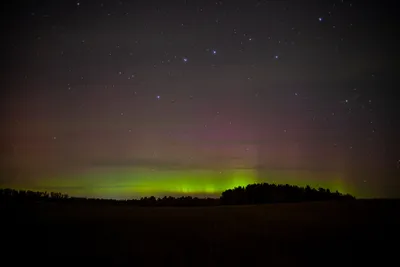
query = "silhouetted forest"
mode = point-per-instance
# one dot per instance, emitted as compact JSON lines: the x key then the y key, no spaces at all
{"x":271,"y":193}
{"x":251,"y":194}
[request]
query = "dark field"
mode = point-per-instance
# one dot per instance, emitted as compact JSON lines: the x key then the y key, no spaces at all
{"x":330,"y":233}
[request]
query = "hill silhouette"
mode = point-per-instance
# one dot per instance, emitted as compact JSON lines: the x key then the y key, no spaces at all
{"x":260,"y":193}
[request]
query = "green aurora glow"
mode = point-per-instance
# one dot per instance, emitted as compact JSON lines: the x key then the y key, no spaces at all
{"x":134,"y":183}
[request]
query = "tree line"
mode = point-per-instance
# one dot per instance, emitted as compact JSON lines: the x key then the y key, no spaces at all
{"x":263,"y":193}
{"x":260,"y":193}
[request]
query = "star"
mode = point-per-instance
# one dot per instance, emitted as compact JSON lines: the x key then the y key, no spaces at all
{"x":263,"y":90}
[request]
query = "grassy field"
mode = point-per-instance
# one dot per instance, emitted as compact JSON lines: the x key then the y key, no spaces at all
{"x":330,"y":233}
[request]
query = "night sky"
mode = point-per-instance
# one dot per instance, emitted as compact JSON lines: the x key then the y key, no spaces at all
{"x":122,"y":99}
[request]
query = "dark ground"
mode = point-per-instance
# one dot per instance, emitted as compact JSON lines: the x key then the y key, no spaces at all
{"x":363,"y":232}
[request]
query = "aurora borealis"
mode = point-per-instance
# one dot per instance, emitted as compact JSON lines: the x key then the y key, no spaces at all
{"x":129,"y":183}
{"x":122,"y":99}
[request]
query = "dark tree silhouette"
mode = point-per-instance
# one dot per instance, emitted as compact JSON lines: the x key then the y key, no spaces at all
{"x":271,"y":193}
{"x":251,"y":194}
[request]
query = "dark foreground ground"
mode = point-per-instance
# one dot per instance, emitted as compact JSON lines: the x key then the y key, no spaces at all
{"x":322,"y":234}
